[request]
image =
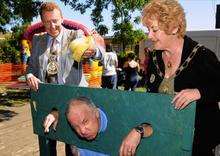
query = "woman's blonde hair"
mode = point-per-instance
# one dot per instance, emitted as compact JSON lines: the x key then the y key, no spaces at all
{"x":168,"y":13}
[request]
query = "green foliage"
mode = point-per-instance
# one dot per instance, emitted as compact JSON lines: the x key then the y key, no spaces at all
{"x":125,"y":34}
{"x":122,"y":54}
{"x":17,"y":11}
{"x":8,"y":53}
{"x":102,"y":29}
{"x":13,"y":97}
{"x":10,"y":47}
{"x":122,"y":57}
{"x":122,"y":11}
{"x":123,"y":22}
{"x":15,"y":14}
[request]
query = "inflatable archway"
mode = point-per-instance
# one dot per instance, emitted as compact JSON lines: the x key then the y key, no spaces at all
{"x":67,"y":23}
{"x":91,"y":69}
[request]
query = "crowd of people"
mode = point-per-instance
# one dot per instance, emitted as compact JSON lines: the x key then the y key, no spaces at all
{"x":127,"y":76}
{"x":178,"y":66}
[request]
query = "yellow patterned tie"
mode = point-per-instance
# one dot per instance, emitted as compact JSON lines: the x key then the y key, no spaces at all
{"x":53,"y":46}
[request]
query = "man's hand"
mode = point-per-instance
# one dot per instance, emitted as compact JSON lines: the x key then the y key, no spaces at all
{"x":83,"y":47}
{"x":130,"y":143}
{"x":185,"y":97}
{"x":49,"y":120}
{"x":33,"y":82}
{"x":89,"y":53}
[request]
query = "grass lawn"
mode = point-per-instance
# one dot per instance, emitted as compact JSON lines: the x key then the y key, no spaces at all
{"x":20,"y":97}
{"x":13,"y":97}
{"x":138,"y":89}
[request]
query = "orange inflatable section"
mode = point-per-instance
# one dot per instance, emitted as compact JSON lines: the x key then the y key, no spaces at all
{"x":11,"y":72}
{"x":93,"y":73}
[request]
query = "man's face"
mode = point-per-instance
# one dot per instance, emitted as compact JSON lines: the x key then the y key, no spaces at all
{"x":52,"y":21}
{"x":85,"y":121}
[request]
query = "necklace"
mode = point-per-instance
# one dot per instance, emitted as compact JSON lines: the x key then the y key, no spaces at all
{"x":183,"y":65}
{"x":169,"y":64}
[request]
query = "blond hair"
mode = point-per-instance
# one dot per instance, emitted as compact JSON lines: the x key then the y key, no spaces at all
{"x":168,"y":13}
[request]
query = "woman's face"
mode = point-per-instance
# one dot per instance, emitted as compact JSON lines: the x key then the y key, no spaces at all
{"x":159,"y":38}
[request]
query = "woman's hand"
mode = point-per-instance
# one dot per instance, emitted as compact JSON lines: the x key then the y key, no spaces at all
{"x":130,"y":143}
{"x":185,"y":97}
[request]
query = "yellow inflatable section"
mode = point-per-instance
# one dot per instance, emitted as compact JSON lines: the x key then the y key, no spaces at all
{"x":79,"y":46}
{"x":91,"y":68}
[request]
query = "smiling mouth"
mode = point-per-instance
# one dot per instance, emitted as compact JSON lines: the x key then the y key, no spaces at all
{"x":54,"y":31}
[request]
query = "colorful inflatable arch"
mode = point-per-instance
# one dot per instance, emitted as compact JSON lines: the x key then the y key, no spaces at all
{"x":91,"y":69}
{"x":67,"y":23}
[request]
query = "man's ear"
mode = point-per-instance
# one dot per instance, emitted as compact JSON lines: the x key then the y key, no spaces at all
{"x":97,"y":112}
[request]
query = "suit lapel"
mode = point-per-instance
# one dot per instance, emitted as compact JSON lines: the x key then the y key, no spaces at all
{"x":43,"y":55}
{"x":66,"y":61}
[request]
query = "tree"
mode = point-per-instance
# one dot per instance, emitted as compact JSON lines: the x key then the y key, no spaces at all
{"x":123,"y":22}
{"x":10,"y":47}
{"x":122,"y":16}
{"x":13,"y":12}
{"x":8,"y":53}
{"x":125,"y":34}
{"x":119,"y":8}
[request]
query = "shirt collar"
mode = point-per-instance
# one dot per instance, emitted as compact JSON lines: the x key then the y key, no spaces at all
{"x":58,"y":38}
{"x":103,"y":121}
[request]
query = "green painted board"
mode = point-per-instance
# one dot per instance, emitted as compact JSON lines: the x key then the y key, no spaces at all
{"x":173,"y":129}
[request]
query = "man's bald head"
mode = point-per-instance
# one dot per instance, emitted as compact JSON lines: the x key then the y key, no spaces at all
{"x":83,"y":116}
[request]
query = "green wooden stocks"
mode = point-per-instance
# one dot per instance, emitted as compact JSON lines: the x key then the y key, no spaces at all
{"x":173,"y":129}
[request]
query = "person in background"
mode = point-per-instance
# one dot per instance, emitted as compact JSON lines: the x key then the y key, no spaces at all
{"x":25,"y":51}
{"x":143,"y":74}
{"x":181,"y":67}
{"x":51,"y":59}
{"x":94,"y":122}
{"x":110,"y":64}
{"x":131,"y":68}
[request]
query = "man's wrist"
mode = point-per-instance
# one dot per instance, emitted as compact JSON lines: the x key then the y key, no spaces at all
{"x":144,"y":129}
{"x":55,"y":113}
{"x":29,"y":75}
{"x":140,"y":130}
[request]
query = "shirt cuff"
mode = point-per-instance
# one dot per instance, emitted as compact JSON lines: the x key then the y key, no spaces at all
{"x":98,"y":54}
{"x":29,"y":75}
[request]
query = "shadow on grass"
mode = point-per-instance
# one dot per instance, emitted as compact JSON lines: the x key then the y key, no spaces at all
{"x":6,"y":115}
{"x":14,"y":98}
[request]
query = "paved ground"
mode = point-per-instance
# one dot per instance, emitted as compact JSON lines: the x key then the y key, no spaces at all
{"x":16,"y":133}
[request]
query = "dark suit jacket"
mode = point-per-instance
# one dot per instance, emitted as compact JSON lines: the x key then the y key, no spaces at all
{"x":203,"y":73}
